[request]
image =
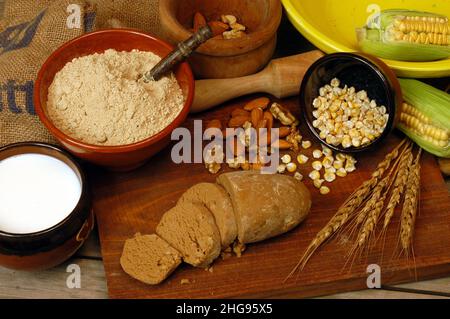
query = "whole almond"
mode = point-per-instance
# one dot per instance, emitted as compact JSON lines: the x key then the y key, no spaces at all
{"x":284,"y":131}
{"x":261,"y":124}
{"x":218,"y":27}
{"x":239,"y":111}
{"x":199,"y":21}
{"x":265,"y":137}
{"x":282,"y":145}
{"x":269,"y":118}
{"x":261,"y":102}
{"x":238,"y":121}
{"x":256,"y":116}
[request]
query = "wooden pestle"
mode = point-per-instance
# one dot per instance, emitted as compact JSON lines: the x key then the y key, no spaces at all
{"x":281,"y":78}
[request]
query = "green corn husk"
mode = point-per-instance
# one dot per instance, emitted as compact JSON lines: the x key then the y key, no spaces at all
{"x":378,"y":38}
{"x":435,"y":105}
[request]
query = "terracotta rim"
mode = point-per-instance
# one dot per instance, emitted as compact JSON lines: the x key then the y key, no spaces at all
{"x":119,"y":148}
{"x":232,"y":46}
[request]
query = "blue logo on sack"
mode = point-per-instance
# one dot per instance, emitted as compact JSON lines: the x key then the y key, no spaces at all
{"x":12,"y":90}
{"x":19,"y":36}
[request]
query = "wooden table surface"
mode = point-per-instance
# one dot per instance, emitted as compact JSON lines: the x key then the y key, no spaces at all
{"x":52,"y":283}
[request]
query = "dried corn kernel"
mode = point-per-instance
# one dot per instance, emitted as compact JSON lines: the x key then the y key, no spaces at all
{"x":233,"y":163}
{"x":302,"y":159}
{"x":330,"y":170}
{"x":350,"y":167}
{"x":318,"y":183}
{"x":283,"y":115}
{"x":317,"y":153}
{"x":237,"y":26}
{"x":281,"y":168}
{"x":286,"y":159}
{"x":340,"y":157}
{"x":329,"y":177}
{"x":317,"y":165}
{"x":326,"y":151}
{"x":298,"y":176}
{"x":327,"y":162}
{"x":314,"y":175}
{"x":228,"y":19}
{"x":324,"y":190}
{"x":342,"y":116}
{"x":233,"y":34}
{"x":306,"y":144}
{"x":291,"y":167}
{"x":338,"y":164}
{"x":341,"y":172}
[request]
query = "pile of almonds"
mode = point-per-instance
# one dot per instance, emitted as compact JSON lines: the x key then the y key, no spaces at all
{"x":226,"y":28}
{"x":258,"y":114}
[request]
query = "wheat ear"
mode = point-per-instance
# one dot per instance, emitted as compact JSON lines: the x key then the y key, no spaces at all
{"x":399,"y":186}
{"x":410,"y":205}
{"x":347,"y":210}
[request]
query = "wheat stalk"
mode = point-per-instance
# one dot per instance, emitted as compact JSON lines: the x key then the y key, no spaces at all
{"x":347,"y":210}
{"x":399,"y":186}
{"x":410,"y":205}
{"x":373,"y":210}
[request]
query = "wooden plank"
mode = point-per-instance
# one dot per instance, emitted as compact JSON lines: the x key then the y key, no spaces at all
{"x":441,"y":285}
{"x":52,"y":283}
{"x":134,"y":202}
{"x":381,"y":294}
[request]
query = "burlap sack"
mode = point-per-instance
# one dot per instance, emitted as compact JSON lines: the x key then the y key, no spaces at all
{"x":137,"y":14}
{"x":30,"y":31}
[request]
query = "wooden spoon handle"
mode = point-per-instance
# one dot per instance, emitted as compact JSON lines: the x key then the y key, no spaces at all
{"x":281,"y":78}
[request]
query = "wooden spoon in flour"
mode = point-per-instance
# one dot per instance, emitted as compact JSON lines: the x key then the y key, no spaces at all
{"x":183,"y":50}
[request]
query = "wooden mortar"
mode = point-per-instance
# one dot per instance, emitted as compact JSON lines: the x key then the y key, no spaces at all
{"x":220,"y":58}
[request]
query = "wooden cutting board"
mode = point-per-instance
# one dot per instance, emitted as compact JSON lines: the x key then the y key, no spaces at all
{"x":126,"y":203}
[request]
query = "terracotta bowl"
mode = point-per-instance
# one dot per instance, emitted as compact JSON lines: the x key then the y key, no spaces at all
{"x":220,"y":58}
{"x":362,"y":71}
{"x":50,"y":247}
{"x":120,"y":158}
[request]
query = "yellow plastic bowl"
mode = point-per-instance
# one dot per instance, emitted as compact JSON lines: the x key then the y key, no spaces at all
{"x":330,"y":25}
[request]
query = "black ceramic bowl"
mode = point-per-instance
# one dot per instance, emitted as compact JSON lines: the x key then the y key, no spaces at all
{"x":52,"y":246}
{"x":361,"y":71}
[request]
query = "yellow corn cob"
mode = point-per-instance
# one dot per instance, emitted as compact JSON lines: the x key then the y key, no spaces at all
{"x":421,"y":24}
{"x":425,"y":116}
{"x":406,"y":35}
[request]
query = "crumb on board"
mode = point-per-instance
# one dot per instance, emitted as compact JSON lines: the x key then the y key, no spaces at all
{"x":185,"y":281}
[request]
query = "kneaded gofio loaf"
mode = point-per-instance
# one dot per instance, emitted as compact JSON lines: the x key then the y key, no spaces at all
{"x":149,"y":258}
{"x":191,"y":229}
{"x":216,"y":199}
{"x":265,"y":205}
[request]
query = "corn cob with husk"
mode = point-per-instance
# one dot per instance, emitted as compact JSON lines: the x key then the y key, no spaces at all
{"x":406,"y":35}
{"x":425,"y":116}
